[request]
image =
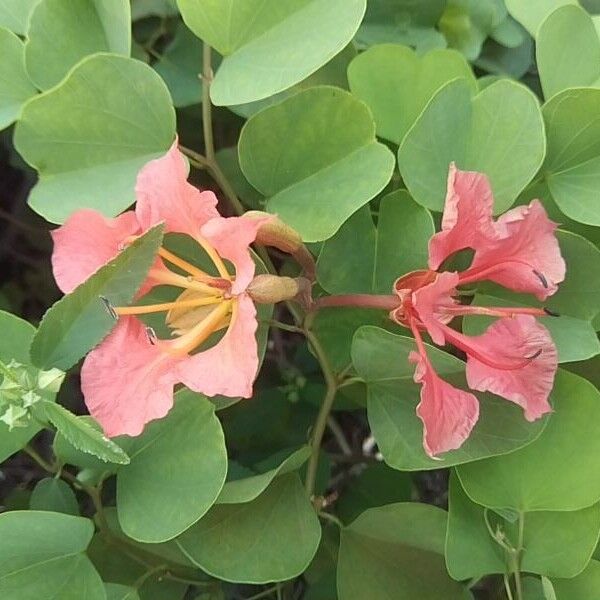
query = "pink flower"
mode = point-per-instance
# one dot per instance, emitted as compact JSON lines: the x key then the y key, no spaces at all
{"x":516,"y":357}
{"x":128,"y":379}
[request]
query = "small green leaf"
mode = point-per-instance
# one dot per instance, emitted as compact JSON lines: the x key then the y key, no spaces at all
{"x":14,"y":14}
{"x":55,"y":495}
{"x":532,"y":13}
{"x":15,"y":85}
{"x":319,"y":160}
{"x":89,"y":136}
{"x":81,"y":435}
{"x":396,"y":551}
{"x":499,"y":132}
{"x":79,"y":321}
{"x":568,"y":51}
{"x":272,"y":538}
{"x":90,"y":26}
{"x":187,"y":449}
{"x":381,"y":359}
{"x":269,"y":45}
{"x":42,"y":556}
{"x":558,"y":471}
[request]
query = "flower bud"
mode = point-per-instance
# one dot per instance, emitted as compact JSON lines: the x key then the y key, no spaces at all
{"x":274,"y":232}
{"x":268,"y":289}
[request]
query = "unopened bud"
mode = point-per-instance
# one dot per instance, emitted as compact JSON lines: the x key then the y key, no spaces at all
{"x":274,"y":232}
{"x":268,"y":289}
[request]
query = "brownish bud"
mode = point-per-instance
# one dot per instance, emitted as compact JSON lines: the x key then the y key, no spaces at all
{"x":268,"y":289}
{"x":275,"y":232}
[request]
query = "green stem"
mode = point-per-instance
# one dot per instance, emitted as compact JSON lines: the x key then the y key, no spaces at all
{"x":509,"y":594}
{"x":517,"y":557}
{"x":321,"y":422}
{"x":331,"y":518}
{"x":39,"y":460}
{"x":264,"y":593}
{"x":207,"y":75}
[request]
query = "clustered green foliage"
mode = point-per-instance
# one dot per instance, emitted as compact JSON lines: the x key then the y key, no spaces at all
{"x":342,"y":117}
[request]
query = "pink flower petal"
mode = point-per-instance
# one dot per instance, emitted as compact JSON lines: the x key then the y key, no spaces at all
{"x":467,"y":220}
{"x":525,"y":256}
{"x":228,"y":368}
{"x":430,"y":303}
{"x":514,"y":340}
{"x":126,"y":381}
{"x":163,"y":194}
{"x":448,"y":413}
{"x":231,"y":238}
{"x":86,"y":242}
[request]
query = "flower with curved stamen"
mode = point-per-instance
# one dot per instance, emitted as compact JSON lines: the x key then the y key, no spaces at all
{"x":515,"y":358}
{"x":128,"y":379}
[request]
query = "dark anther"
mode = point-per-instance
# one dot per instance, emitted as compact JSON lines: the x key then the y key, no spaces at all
{"x":541,"y":277}
{"x":151,"y":334}
{"x":109,"y":308}
{"x":534,"y":355}
{"x":550,"y":313}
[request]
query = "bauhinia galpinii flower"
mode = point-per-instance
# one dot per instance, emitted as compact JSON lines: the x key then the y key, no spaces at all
{"x":515,"y":358}
{"x":128,"y":379}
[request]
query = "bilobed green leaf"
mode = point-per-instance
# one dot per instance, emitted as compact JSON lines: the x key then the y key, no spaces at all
{"x":379,"y":255}
{"x":568,"y":51}
{"x":14,"y":14}
{"x":316,"y":157}
{"x":54,"y":495}
{"x":269,"y":45}
{"x":89,"y":136}
{"x":15,"y":85}
{"x":583,"y":587}
{"x":381,"y":359}
{"x":81,"y":435}
{"x":572,"y":167}
{"x":246,"y":489}
{"x":80,"y":320}
{"x":532,"y":13}
{"x":396,"y":551}
{"x":185,"y":449}
{"x":498,"y":131}
{"x":83,"y":27}
{"x":272,"y":538}
{"x":42,"y":556}
{"x":396,"y":84}
{"x":551,"y":473}
{"x":558,"y":544}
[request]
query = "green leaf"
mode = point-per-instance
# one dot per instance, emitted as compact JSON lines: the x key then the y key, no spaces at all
{"x":90,"y":26}
{"x":187,"y":449}
{"x":14,"y":345}
{"x":511,"y":62}
{"x":272,"y":538}
{"x":246,"y":489}
{"x":396,"y":551}
{"x":381,"y":359}
{"x":42,"y":556}
{"x":89,"y":136}
{"x":79,"y":321}
{"x":180,"y":66}
{"x":81,"y":435}
{"x":315,"y":155}
{"x":396,"y":84}
{"x":15,"y":85}
{"x":568,"y":51}
{"x":532,"y":13}
{"x":230,"y":165}
{"x":499,"y":132}
{"x":116,"y":591}
{"x":559,"y":470}
{"x":572,"y":167}
{"x":379,"y":256}
{"x":14,"y":14}
{"x":557,"y":544}
{"x":269,"y":45}
{"x":583,"y":587}
{"x":403,"y":22}
{"x":54,"y":495}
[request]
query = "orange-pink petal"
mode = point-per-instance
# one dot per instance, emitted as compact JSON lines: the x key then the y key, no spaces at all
{"x":448,"y":413}
{"x":517,"y":340}
{"x":164,"y":194}
{"x":126,"y":381}
{"x":467,"y":220}
{"x":86,"y":242}
{"x":229,"y":368}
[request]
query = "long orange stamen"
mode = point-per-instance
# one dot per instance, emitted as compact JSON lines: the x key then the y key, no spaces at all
{"x":183,"y":264}
{"x":165,"y":306}
{"x":200,"y":332}
{"x":213,"y":255}
{"x":169,"y":278}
